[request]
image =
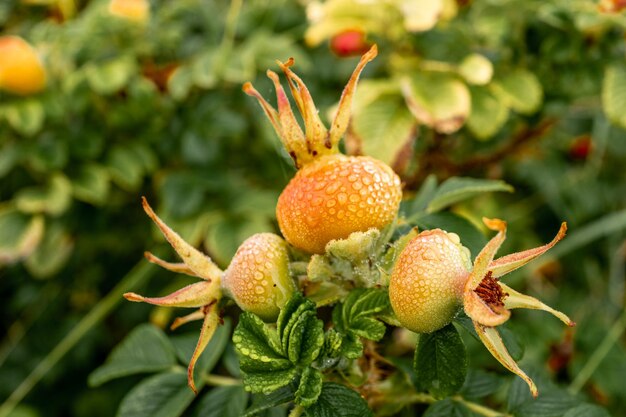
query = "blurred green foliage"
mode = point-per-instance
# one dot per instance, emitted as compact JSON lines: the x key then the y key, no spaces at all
{"x":531,"y":92}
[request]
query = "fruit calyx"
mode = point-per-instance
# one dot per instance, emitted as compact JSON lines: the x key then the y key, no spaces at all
{"x":316,"y":140}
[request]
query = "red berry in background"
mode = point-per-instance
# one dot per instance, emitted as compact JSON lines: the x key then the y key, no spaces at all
{"x":580,"y":148}
{"x":349,"y":43}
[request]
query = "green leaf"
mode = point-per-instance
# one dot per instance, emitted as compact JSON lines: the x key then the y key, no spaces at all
{"x":447,"y":408}
{"x":614,"y":94}
{"x":438,"y":100}
{"x":419,"y":203}
{"x":337,"y":400}
{"x":20,"y":234}
{"x":180,"y":82}
{"x":440,"y":362}
{"x":25,"y":116}
{"x":224,"y":238}
{"x":10,"y":155}
{"x":520,"y":90}
{"x":476,"y":69}
{"x":204,"y":69}
{"x":488,"y":114}
{"x":125,"y":167}
{"x":310,"y":387}
{"x":457,"y":189}
{"x":548,"y":404}
{"x":368,"y":328}
{"x":52,"y":253}
{"x":268,"y":381}
{"x":263,"y":402}
{"x":91,"y":184}
{"x":163,"y":395}
{"x":471,"y":237}
{"x":366,"y":302}
{"x":587,"y":410}
{"x":384,"y":126}
{"x":352,"y":347}
{"x":306,"y":339}
{"x":145,"y":349}
{"x":229,"y":401}
{"x":551,"y":402}
{"x":184,"y":346}
{"x":111,"y":76}
{"x":257,"y":345}
{"x":307,"y":306}
{"x":54,"y":198}
{"x":480,"y":384}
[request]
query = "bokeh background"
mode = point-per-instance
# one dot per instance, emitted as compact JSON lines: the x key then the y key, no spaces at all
{"x":143,"y":97}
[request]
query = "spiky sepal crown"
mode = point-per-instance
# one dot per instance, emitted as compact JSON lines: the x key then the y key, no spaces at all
{"x":316,"y":140}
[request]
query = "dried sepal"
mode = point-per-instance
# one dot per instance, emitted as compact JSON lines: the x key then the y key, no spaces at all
{"x":199,"y":263}
{"x":212,"y":319}
{"x":484,"y":258}
{"x":493,"y":342}
{"x":509,"y":263}
{"x":193,"y":295}
{"x":344,"y":111}
{"x":518,"y":300}
{"x":179,"y":268}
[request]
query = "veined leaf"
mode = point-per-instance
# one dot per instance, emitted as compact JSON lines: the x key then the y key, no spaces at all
{"x":440,"y":362}
{"x":267,"y":382}
{"x":367,"y":302}
{"x":337,"y":400}
{"x":614,"y":94}
{"x":310,"y":387}
{"x":368,"y":328}
{"x":457,"y":189}
{"x":163,"y":395}
{"x":252,"y":339}
{"x":227,"y":401}
{"x":447,"y":408}
{"x":520,"y":90}
{"x":587,"y":410}
{"x":263,"y":402}
{"x":312,"y":339}
{"x":479,"y":384}
{"x":418,"y":204}
{"x":145,"y":349}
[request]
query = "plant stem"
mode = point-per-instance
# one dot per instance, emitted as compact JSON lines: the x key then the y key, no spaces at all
{"x":297,"y":411}
{"x":480,"y":409}
{"x":220,"y":380}
{"x":599,"y":354}
{"x":139,"y":274}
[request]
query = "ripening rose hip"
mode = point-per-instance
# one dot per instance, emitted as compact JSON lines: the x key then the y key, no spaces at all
{"x":433,"y":278}
{"x":258,"y":276}
{"x":426,"y":285}
{"x":258,"y":280}
{"x":332,"y":195}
